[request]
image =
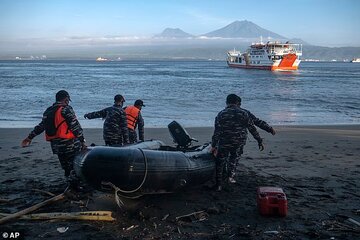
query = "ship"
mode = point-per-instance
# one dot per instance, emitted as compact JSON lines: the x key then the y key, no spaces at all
{"x":356,"y":60}
{"x":274,"y":56}
{"x":100,"y":59}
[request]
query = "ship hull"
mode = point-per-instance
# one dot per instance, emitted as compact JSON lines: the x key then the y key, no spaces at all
{"x":261,"y":67}
{"x":234,"y":65}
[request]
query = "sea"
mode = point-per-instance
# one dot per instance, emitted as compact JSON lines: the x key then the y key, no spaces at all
{"x":190,"y":92}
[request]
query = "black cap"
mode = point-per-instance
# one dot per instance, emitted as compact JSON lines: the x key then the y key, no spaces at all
{"x":139,"y":102}
{"x":233,"y":99}
{"x":61,"y":95}
{"x":119,"y":98}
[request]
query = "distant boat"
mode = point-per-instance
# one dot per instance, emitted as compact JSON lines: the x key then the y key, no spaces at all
{"x":274,"y":56}
{"x":356,"y":60}
{"x":100,"y":59}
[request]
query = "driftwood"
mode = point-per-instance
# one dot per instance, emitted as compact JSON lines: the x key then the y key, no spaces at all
{"x":90,"y":215}
{"x":193,"y":217}
{"x":4,"y":200}
{"x":42,"y":191}
{"x":32,"y":208}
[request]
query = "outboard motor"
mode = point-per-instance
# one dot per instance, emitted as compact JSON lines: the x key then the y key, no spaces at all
{"x":180,"y":135}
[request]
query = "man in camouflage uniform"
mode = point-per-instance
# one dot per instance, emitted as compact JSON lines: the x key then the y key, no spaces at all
{"x":233,"y":162}
{"x":115,"y":130}
{"x":66,"y":149}
{"x":230,"y":134}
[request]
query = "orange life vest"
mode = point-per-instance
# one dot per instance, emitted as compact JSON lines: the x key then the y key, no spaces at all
{"x":132,"y":114}
{"x":63,"y":130}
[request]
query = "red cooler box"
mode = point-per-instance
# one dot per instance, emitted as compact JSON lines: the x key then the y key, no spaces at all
{"x":271,"y":201}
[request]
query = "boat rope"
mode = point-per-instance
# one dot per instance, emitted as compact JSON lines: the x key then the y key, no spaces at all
{"x":117,"y":189}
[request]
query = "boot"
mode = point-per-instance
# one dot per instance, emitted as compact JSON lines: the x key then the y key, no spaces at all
{"x":231,"y":180}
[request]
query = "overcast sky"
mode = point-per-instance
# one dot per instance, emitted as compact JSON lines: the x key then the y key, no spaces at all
{"x":319,"y":22}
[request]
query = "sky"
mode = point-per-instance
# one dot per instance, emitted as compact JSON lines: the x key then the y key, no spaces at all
{"x":319,"y":22}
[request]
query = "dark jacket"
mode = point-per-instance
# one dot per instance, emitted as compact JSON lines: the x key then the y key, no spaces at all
{"x":115,"y":124}
{"x":259,"y":123}
{"x":231,"y":126}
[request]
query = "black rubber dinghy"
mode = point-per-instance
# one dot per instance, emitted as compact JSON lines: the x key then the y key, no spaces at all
{"x":149,"y":167}
{"x":133,"y":169}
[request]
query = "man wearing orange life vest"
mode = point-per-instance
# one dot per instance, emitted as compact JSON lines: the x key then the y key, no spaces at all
{"x":62,"y":129}
{"x":134,"y":119}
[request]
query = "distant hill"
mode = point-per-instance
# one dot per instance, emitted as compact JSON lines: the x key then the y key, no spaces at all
{"x":299,"y":41}
{"x":173,"y":33}
{"x":243,"y":29}
{"x":330,"y":53}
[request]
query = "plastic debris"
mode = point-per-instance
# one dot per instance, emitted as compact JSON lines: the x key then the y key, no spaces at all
{"x":62,"y":229}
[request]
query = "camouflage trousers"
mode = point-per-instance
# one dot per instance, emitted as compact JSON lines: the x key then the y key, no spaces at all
{"x":132,"y":136}
{"x":66,"y":151}
{"x":67,"y":162}
{"x":114,"y":143}
{"x":226,"y":162}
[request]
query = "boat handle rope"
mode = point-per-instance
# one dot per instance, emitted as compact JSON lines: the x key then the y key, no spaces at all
{"x":117,"y":189}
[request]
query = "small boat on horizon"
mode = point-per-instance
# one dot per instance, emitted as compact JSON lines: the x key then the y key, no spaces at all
{"x":355,"y":60}
{"x":100,"y":59}
{"x":274,"y":56}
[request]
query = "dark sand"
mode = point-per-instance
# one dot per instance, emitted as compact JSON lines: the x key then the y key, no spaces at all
{"x":318,"y":167}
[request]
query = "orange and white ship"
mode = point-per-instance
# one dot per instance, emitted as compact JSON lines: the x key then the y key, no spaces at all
{"x":274,"y":56}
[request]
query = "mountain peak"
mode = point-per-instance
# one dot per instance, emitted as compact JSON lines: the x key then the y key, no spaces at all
{"x":243,"y":29}
{"x":173,"y":33}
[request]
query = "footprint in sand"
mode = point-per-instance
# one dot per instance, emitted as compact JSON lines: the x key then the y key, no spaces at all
{"x":13,"y":159}
{"x":28,"y":152}
{"x":307,"y":147}
{"x":38,"y":160}
{"x":7,"y":181}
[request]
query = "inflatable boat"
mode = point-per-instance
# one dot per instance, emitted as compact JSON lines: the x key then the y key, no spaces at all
{"x":148,"y":167}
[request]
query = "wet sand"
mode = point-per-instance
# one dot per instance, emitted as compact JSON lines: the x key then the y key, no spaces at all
{"x":318,"y":167}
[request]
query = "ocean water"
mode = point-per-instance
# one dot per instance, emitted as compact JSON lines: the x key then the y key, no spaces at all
{"x":190,"y":92}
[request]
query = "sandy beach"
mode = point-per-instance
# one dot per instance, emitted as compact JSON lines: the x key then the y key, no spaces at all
{"x":318,"y":168}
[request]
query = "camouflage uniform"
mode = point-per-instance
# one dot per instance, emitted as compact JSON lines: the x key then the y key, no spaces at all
{"x":66,"y":149}
{"x":140,"y":126}
{"x":230,"y":134}
{"x":115,"y":130}
{"x":233,"y":162}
